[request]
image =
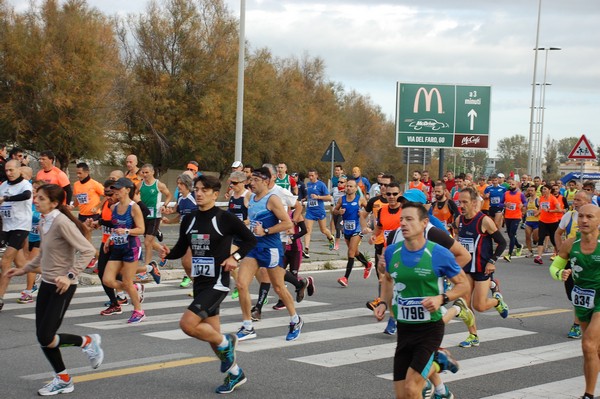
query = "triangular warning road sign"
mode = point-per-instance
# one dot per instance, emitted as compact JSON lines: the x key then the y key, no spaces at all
{"x":582,"y":150}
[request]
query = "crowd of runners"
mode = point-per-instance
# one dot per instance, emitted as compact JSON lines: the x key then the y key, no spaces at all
{"x":435,"y":249}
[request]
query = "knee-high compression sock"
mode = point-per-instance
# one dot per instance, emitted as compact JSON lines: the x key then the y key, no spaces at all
{"x":292,"y":279}
{"x":361,"y":258}
{"x":263,"y":291}
{"x":349,"y":267}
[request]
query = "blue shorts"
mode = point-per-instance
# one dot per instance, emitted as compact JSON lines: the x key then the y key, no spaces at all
{"x":315,"y":214}
{"x":533,"y":225}
{"x":267,"y":257}
{"x":126,"y":253}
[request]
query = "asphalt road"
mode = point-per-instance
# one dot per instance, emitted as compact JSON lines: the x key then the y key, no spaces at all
{"x":341,"y":353}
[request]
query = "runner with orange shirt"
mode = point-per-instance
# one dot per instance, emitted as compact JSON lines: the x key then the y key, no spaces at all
{"x":549,"y":207}
{"x":50,"y":174}
{"x":87,"y":193}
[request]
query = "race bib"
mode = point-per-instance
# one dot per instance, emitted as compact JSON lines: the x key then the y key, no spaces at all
{"x":386,"y":233}
{"x":468,"y":243}
{"x":82,"y":199}
{"x":119,"y":239}
{"x":494,"y":200}
{"x":203,"y":266}
{"x":511,"y":206}
{"x":545,"y":206}
{"x":151,"y":215}
{"x":313,"y":202}
{"x":35,"y":229}
{"x":350,"y":225}
{"x":584,"y":298}
{"x":105,"y":230}
{"x":6,"y":211}
{"x":411,"y":309}
{"x":530,"y":213}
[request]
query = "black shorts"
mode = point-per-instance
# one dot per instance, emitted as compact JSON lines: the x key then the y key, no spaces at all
{"x":83,"y":218}
{"x":34,"y":244}
{"x":417,"y":344}
{"x":207,"y":301}
{"x":151,"y":226}
{"x":476,"y":276}
{"x":15,"y":238}
{"x":494,"y":210}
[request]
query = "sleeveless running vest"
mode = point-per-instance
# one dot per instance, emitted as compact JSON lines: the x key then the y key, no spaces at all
{"x":151,"y":195}
{"x":284,"y":183}
{"x":238,"y":207}
{"x":351,"y":219}
{"x":532,"y":206}
{"x":123,"y":221}
{"x":479,"y":244}
{"x":258,"y":213}
{"x":586,"y":276}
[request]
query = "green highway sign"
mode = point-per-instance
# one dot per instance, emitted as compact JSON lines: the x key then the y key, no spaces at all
{"x":442,"y":115}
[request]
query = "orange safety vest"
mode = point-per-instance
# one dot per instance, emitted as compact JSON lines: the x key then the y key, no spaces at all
{"x":389,"y":222}
{"x":513,"y":205}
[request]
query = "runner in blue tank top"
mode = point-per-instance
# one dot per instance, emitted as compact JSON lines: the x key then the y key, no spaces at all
{"x":268,"y":218}
{"x":495,"y":193}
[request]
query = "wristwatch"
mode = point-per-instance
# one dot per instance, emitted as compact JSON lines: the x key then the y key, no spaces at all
{"x":445,"y":299}
{"x":266,"y":231}
{"x":71,"y":276}
{"x":236,"y":256}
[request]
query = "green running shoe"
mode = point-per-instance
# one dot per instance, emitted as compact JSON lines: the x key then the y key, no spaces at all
{"x":185,"y":282}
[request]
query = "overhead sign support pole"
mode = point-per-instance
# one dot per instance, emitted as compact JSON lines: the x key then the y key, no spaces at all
{"x":333,"y":155}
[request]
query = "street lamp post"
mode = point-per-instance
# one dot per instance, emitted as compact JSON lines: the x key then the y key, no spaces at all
{"x":239,"y":115}
{"x":531,"y":121}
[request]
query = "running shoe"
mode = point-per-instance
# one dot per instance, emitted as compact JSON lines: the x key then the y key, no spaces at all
{"x":295,"y":329}
{"x":163,"y":262}
{"x":92,"y":263}
{"x":136,"y":317}
{"x":279,"y":305}
{"x":391,"y":327}
{"x":244,"y":334}
{"x":122,"y":300}
{"x":502,"y":307}
{"x":465,"y":314}
{"x":160,"y":236}
{"x":507,"y":257}
{"x":428,"y":390}
{"x":337,"y":246}
{"x":111,"y":310}
{"x":538,"y":260}
{"x":34,"y":288}
{"x":141,"y":276}
{"x":494,"y":285}
{"x":231,"y":382}
{"x":227,"y":354}
{"x":374,"y":303}
{"x":343,"y":281}
{"x":56,"y":386}
{"x":235,"y":294}
{"x":191,"y":294}
{"x":519,"y":251}
{"x":574,"y":332}
{"x":255,"y":314}
{"x":310,"y":288}
{"x":472,"y":340}
{"x":302,"y":290}
{"x":445,"y":360}
{"x":155,"y":272}
{"x":368,"y":270}
{"x":331,"y":243}
{"x":94,"y":351}
{"x":25,"y":298}
{"x":445,"y":395}
{"x":185,"y":282}
{"x":140,"y":289}
{"x":305,"y":253}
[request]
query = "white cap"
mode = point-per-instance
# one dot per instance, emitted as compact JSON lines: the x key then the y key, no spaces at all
{"x":501,"y":175}
{"x":236,"y":164}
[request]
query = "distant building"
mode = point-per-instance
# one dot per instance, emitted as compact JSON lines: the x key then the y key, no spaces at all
{"x":590,"y":166}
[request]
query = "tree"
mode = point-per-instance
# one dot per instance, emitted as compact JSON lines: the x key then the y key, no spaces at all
{"x":513,"y":154}
{"x":551,"y":156}
{"x":58,"y":66}
{"x":564,"y":147}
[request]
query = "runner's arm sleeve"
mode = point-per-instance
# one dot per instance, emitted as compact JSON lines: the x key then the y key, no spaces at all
{"x":453,"y":209}
{"x":500,"y":242}
{"x":25,"y":195}
{"x":68,"y":192}
{"x":301,"y":230}
{"x":557,"y":266}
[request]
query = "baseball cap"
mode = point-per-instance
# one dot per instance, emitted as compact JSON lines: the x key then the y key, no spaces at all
{"x":237,"y":164}
{"x":415,"y":195}
{"x":122,"y":182}
{"x":501,"y":175}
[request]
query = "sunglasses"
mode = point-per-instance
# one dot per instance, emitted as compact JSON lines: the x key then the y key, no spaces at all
{"x":392,"y":194}
{"x":235,"y":183}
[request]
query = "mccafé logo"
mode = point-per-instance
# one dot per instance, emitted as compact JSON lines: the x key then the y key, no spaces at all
{"x":428,"y":97}
{"x":470,"y":140}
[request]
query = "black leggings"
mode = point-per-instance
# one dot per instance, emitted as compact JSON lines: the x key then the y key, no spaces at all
{"x":547,"y":229}
{"x":103,"y":258}
{"x":50,"y":308}
{"x":512,"y":226}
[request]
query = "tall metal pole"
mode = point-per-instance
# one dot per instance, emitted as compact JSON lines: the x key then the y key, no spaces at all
{"x":537,"y":40}
{"x":239,"y":114}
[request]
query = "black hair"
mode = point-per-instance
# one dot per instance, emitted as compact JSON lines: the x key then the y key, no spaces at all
{"x":83,"y":166}
{"x":48,"y":154}
{"x":209,"y":182}
{"x":421,"y":210}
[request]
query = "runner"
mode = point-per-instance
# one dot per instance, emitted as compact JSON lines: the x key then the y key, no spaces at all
{"x":549,"y":208}
{"x":532,"y":219}
{"x":338,"y":191}
{"x":477,"y":233}
{"x":62,"y":236}
{"x":495,"y":194}
{"x":32,"y":249}
{"x":284,"y":180}
{"x":16,"y":213}
{"x":416,"y":295}
{"x":133,"y":173}
{"x":583,"y":254}
{"x":514,"y":203}
{"x":238,"y":206}
{"x":208,"y":233}
{"x":50,"y":174}
{"x":442,"y":208}
{"x":127,"y":226}
{"x":87,"y":193}
{"x":349,"y":206}
{"x":315,"y":210}
{"x":151,"y":190}
{"x":267,"y":219}
{"x":568,"y":226}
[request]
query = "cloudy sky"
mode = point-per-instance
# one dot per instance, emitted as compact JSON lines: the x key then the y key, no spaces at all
{"x":369,"y":45}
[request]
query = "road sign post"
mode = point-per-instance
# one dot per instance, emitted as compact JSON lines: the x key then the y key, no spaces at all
{"x":333,"y":155}
{"x":442,"y":115}
{"x":582,"y":150}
